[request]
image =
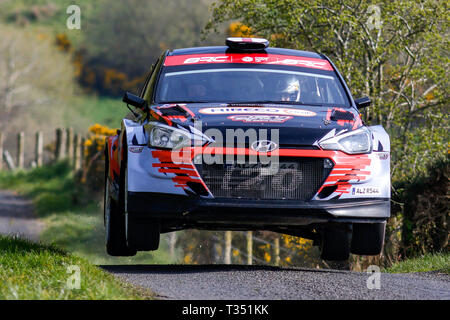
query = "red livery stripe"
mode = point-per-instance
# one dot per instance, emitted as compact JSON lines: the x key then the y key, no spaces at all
{"x":250,"y":58}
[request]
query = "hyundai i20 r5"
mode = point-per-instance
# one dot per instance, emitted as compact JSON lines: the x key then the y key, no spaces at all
{"x":247,"y":137}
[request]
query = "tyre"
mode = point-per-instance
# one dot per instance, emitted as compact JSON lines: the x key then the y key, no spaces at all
{"x":335,"y":244}
{"x":114,"y":217}
{"x":368,"y":238}
{"x":143,"y":235}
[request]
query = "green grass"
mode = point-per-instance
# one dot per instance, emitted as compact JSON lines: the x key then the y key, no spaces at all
{"x":51,"y":188}
{"x":77,"y":228}
{"x":428,"y":262}
{"x":92,"y":109}
{"x":36,"y":271}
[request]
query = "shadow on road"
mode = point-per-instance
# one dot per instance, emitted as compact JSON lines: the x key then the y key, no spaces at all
{"x":180,"y":269}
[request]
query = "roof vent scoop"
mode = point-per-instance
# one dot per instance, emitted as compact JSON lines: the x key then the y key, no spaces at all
{"x":247,"y":44}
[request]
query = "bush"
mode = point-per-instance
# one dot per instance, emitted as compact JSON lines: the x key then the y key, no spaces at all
{"x":91,"y":178}
{"x":425,"y":209}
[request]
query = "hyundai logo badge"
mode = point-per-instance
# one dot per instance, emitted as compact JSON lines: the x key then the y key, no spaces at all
{"x":264,"y":146}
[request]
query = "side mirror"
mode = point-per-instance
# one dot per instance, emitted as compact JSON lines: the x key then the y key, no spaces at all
{"x":362,"y":103}
{"x":135,"y":101}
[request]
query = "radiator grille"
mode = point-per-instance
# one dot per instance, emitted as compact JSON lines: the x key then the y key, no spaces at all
{"x":295,"y":179}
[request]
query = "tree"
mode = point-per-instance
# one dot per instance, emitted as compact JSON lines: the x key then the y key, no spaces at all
{"x":32,"y":74}
{"x":395,"y":52}
{"x":130,"y":35}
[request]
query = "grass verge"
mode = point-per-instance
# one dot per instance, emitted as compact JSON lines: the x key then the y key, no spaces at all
{"x":36,"y":271}
{"x":73,"y":221}
{"x":425,"y":263}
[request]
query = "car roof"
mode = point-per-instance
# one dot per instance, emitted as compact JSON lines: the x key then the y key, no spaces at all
{"x":224,"y":49}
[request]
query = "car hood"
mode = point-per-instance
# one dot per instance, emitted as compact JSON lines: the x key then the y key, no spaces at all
{"x":298,"y":125}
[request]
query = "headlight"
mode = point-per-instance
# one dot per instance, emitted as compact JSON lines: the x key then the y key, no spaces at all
{"x":358,"y":141}
{"x":162,"y":136}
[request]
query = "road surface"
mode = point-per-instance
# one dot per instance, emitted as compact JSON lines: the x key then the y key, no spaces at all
{"x":17,"y":218}
{"x":240,"y":282}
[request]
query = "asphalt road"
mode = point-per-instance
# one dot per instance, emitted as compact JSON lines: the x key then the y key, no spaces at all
{"x":17,"y":218}
{"x":239,"y":282}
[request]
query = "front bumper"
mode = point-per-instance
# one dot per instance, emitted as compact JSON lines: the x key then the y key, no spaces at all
{"x":198,"y":210}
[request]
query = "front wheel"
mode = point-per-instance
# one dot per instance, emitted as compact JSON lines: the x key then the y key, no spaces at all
{"x":114,"y":216}
{"x":335,"y":244}
{"x":143,"y":235}
{"x":368,"y":238}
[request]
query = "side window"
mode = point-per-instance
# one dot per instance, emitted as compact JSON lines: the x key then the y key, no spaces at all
{"x":147,"y":79}
{"x":148,"y":91}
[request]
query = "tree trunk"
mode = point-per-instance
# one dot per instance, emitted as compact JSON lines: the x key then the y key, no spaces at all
{"x":249,"y":247}
{"x":227,"y":257}
{"x":277,"y":251}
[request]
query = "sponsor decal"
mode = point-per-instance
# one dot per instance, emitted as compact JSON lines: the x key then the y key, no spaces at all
{"x":260,"y":58}
{"x":262,"y":110}
{"x":366,"y":191}
{"x":260,"y":118}
{"x":383,"y":155}
{"x":135,"y":149}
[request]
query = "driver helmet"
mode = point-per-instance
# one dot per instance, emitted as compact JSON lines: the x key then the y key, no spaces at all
{"x":289,"y":90}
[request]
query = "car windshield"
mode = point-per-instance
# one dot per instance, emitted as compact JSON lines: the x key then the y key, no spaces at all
{"x":250,"y":84}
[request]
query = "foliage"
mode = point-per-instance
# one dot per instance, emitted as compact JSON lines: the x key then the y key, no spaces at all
{"x":73,"y":216}
{"x":34,"y":74}
{"x":93,"y":173}
{"x":51,"y":187}
{"x":237,"y":29}
{"x":126,"y":37}
{"x":425,"y":263}
{"x":425,"y":210}
{"x":35,"y":271}
{"x":401,"y":63}
{"x":206,"y":247}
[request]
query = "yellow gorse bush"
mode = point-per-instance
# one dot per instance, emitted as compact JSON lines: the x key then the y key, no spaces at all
{"x":238,"y":29}
{"x":97,"y":138}
{"x":93,"y":150}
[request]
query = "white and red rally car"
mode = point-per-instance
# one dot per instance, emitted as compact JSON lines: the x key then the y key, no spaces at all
{"x":247,"y":137}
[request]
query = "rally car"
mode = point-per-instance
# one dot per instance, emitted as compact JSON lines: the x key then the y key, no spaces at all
{"x":247,"y":137}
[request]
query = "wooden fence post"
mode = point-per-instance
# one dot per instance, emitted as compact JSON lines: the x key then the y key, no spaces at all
{"x":39,"y":149}
{"x":58,"y":144}
{"x":76,"y":152}
{"x":9,"y":160}
{"x":1,"y":151}
{"x":20,"y":150}
{"x":249,"y":247}
{"x":228,"y":238}
{"x":83,"y":140}
{"x":60,"y":152}
{"x":69,"y":143}
{"x":277,"y":251}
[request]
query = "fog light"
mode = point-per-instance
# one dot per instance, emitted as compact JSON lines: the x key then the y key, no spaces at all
{"x":327,"y":164}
